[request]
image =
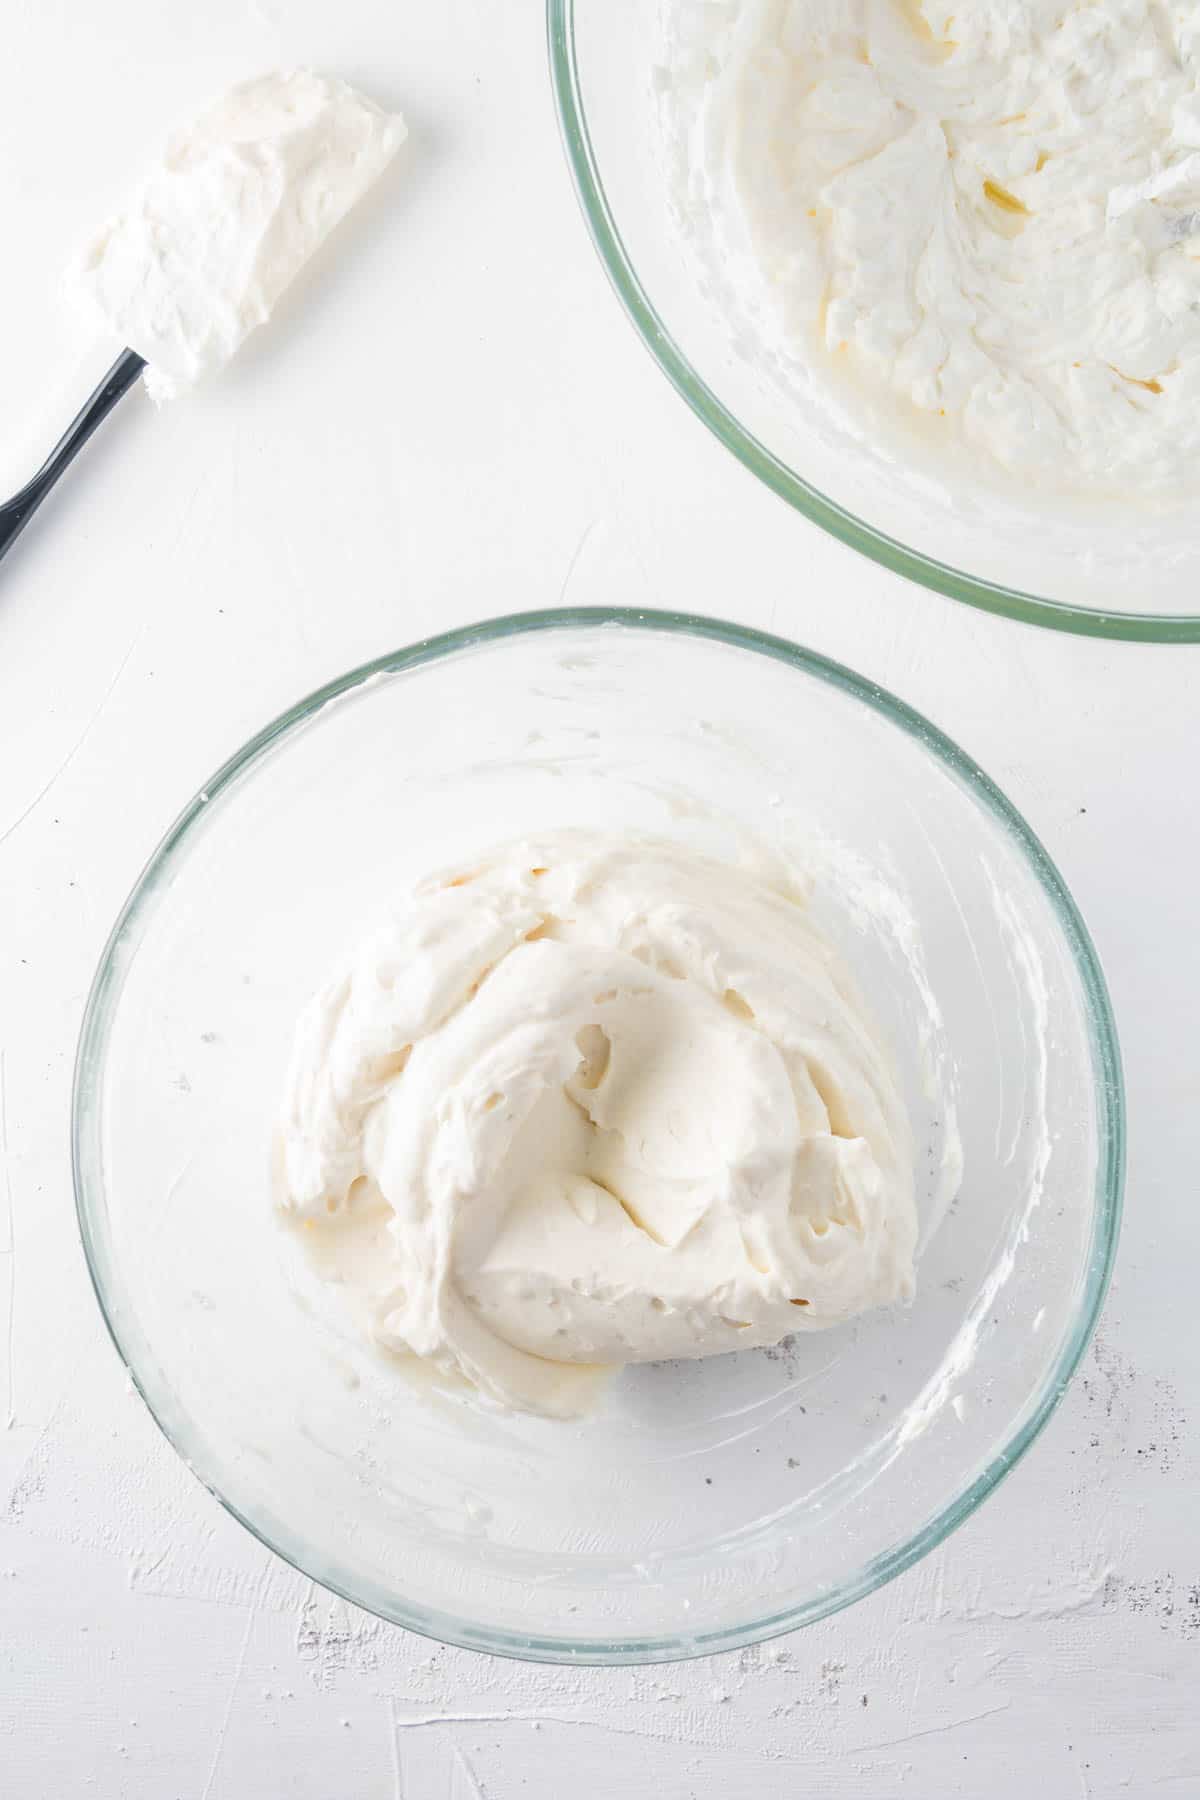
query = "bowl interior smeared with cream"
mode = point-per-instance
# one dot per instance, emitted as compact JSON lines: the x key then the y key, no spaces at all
{"x":928,"y":270}
{"x":702,"y":1503}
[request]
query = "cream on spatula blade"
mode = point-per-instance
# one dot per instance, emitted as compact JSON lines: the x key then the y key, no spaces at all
{"x":214,"y":234}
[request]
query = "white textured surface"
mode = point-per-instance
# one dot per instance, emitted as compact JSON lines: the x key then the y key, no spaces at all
{"x":489,"y":434}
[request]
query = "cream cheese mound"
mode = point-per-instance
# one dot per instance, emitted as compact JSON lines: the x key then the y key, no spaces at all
{"x":984,"y":212}
{"x":219,"y":228}
{"x":590,"y":1101}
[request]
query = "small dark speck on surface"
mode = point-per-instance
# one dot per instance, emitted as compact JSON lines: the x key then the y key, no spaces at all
{"x":708,"y":1481}
{"x":864,"y":1699}
{"x":209,"y":1037}
{"x":792,"y":1463}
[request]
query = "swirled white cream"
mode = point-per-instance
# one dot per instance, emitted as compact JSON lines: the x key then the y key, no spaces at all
{"x":589,"y":1102}
{"x":985,"y":212}
{"x":228,"y":218}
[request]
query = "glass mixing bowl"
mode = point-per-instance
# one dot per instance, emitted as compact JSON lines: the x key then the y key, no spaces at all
{"x":1109,"y":569}
{"x":707,"y":1504}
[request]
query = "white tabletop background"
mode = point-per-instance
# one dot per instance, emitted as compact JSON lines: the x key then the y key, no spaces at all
{"x":454,"y":419}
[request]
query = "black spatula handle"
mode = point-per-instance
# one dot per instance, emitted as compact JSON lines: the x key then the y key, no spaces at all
{"x":16,"y":513}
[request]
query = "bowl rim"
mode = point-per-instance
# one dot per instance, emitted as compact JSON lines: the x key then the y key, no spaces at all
{"x":89,"y":1185}
{"x":847,"y":527}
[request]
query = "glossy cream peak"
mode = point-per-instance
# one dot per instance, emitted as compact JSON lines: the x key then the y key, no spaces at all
{"x":591,"y":1101}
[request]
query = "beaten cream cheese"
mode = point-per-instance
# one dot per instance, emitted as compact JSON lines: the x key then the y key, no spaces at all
{"x":222,"y":225}
{"x":984,"y":210}
{"x":593,"y":1101}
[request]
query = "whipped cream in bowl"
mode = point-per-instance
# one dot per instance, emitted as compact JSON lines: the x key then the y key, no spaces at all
{"x":599,"y":1137}
{"x":596,"y":1101}
{"x":931,"y":271}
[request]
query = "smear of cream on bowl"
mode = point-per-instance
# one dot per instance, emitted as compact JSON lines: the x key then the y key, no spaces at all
{"x":977,"y":221}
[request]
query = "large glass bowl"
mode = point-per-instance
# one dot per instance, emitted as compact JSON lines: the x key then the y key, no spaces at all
{"x":708,"y":1504}
{"x":1109,"y":569}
